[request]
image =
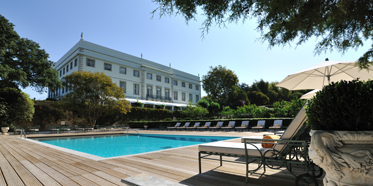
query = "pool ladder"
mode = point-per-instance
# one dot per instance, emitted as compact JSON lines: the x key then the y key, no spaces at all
{"x":128,"y":128}
{"x":24,"y":133}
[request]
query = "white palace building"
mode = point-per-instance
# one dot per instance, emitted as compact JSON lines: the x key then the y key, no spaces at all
{"x":143,"y":80}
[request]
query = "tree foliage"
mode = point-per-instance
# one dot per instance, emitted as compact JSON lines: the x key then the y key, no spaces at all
{"x":193,"y":111}
{"x":214,"y":107}
{"x":15,"y":105}
{"x":94,"y":95}
{"x":203,"y":103}
{"x":219,"y":81}
{"x":258,"y":98}
{"x":221,"y":85}
{"x":285,"y":108}
{"x":341,"y":25}
{"x":237,"y":97}
{"x":263,"y":92}
{"x":22,"y":62}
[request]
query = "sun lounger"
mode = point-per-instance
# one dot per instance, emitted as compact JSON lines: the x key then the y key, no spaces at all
{"x":194,"y":127}
{"x":64,"y":130}
{"x":230,"y":126}
{"x":217,"y":126}
{"x":279,"y":133}
{"x":261,"y":125}
{"x":177,"y":125}
{"x":205,"y":127}
{"x":244,"y":125}
{"x":277,"y":124}
{"x":274,"y":157}
{"x":183,"y":127}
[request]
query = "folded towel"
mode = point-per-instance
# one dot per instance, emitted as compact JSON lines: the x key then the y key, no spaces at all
{"x":270,"y":145}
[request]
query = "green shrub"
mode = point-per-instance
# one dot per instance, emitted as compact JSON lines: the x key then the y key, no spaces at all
{"x":5,"y":125}
{"x":206,"y":118}
{"x":138,"y":113}
{"x":51,"y":99}
{"x":344,"y":106}
{"x":212,"y":118}
{"x":138,"y":104}
{"x":214,"y":107}
{"x":178,"y":114}
{"x":168,"y":119}
{"x":187,"y":119}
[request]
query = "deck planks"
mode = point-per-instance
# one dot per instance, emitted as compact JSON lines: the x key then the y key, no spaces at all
{"x":25,"y":175}
{"x":10,"y":175}
{"x":2,"y":180}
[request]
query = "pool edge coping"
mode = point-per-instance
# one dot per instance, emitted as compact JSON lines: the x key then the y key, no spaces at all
{"x":99,"y":158}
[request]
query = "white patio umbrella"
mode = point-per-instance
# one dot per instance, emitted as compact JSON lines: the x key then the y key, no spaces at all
{"x":316,"y":77}
{"x":310,"y":95}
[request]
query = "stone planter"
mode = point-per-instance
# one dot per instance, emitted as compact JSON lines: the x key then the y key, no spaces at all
{"x":345,"y":156}
{"x":5,"y":130}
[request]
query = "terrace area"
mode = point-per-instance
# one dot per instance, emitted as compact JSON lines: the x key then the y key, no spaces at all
{"x":26,"y":163}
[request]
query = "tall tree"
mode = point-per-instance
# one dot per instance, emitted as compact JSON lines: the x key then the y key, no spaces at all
{"x":94,"y":95}
{"x":257,"y":98}
{"x":15,"y":106}
{"x":22,"y":62}
{"x":237,"y":98}
{"x":219,"y":82}
{"x":341,"y":24}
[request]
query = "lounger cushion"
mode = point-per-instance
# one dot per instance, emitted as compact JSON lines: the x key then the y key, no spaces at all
{"x":259,"y":126}
{"x":250,"y":137}
{"x":268,"y":145}
{"x":243,"y":125}
{"x":277,"y":125}
{"x":232,"y":148}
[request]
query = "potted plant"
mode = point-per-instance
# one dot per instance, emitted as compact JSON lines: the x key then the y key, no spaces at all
{"x":341,"y":119}
{"x":4,"y":129}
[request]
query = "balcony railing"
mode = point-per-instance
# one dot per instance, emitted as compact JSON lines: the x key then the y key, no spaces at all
{"x":163,"y":98}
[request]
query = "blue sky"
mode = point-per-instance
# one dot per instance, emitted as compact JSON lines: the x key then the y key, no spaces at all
{"x":127,"y":26}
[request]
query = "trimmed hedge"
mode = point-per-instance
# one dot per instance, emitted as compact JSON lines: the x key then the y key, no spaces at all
{"x":138,"y":113}
{"x":346,"y":106}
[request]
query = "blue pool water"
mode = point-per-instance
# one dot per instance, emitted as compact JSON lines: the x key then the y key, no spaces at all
{"x":126,"y":144}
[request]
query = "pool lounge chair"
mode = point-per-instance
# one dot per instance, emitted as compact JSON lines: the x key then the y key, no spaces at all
{"x":205,"y":127}
{"x":183,"y":127}
{"x":177,"y":125}
{"x":286,"y":146}
{"x":230,"y":126}
{"x":261,"y":125}
{"x":194,"y":127}
{"x":64,"y":129}
{"x":217,"y":126}
{"x":244,"y":125}
{"x":277,"y":124}
{"x":279,"y":133}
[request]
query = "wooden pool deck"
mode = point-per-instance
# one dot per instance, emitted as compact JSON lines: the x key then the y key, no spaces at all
{"x":26,"y":163}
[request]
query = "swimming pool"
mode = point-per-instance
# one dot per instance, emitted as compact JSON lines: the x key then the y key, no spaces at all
{"x":107,"y":146}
